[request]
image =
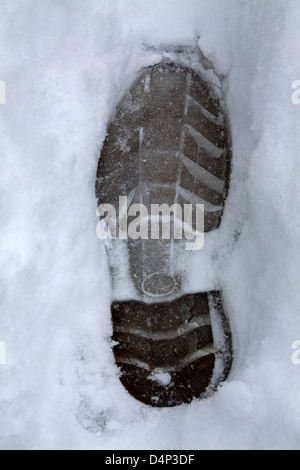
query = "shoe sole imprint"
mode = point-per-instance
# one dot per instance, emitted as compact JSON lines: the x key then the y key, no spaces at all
{"x":168,"y":142}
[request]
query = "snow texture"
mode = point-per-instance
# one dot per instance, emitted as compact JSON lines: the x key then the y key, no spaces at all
{"x":65,"y":65}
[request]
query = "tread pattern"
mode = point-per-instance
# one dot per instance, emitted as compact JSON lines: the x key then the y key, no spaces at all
{"x":165,"y":351}
{"x":169,"y":111}
{"x":167,"y":142}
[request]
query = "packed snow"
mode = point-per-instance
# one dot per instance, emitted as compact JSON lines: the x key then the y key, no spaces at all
{"x":64,"y":67}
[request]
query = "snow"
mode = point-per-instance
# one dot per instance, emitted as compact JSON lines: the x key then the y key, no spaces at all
{"x":163,"y":378}
{"x":65,"y":65}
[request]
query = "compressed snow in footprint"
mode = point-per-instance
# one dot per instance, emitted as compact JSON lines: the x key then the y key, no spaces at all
{"x":162,"y":378}
{"x":65,"y":66}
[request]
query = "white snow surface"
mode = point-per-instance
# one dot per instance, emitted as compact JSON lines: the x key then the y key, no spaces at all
{"x":66,"y":64}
